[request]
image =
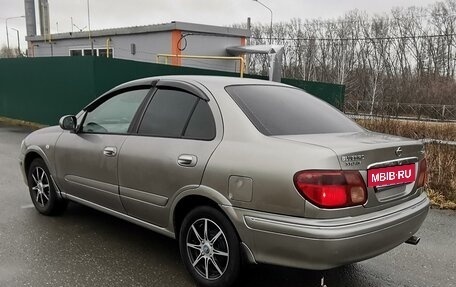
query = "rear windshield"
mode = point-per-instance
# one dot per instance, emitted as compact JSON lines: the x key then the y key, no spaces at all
{"x":276,"y":111}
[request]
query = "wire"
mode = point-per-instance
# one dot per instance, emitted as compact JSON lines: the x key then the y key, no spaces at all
{"x":359,"y":39}
{"x":312,"y":22}
{"x":183,"y":37}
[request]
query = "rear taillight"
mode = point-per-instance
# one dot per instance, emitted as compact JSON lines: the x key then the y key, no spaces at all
{"x":331,"y":189}
{"x":422,"y":173}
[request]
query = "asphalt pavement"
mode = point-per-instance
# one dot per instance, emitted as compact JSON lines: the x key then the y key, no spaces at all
{"x":84,"y":247}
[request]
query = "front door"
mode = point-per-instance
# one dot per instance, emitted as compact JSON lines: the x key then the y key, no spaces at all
{"x":86,"y":162}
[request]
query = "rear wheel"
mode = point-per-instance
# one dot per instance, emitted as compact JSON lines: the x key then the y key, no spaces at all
{"x":42,"y":190}
{"x":209,"y":247}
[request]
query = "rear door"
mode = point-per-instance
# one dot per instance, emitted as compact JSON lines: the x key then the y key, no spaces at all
{"x":86,"y":162}
{"x":175,"y":138}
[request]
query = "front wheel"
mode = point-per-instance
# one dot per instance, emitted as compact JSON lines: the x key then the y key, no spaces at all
{"x":209,"y":247}
{"x":42,"y":190}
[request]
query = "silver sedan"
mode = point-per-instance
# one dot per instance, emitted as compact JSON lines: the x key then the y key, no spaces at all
{"x":237,"y":170}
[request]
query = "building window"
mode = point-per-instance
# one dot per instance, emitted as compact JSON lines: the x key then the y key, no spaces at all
{"x":101,"y":52}
{"x":104,"y":53}
{"x":75,"y":52}
{"x":88,"y":52}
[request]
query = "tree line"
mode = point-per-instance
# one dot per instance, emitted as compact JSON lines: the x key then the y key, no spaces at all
{"x":405,"y":56}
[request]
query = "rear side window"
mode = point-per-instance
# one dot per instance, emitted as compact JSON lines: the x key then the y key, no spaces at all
{"x":276,"y":110}
{"x":177,"y":114}
{"x":201,"y":124}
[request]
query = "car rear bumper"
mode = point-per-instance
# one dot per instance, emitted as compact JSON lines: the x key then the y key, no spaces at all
{"x":327,"y":243}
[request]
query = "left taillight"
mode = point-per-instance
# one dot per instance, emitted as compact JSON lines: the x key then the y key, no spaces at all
{"x":331,"y":189}
{"x":422,"y":173}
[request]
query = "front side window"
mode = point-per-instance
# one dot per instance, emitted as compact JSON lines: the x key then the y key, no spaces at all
{"x":116,"y":114}
{"x":277,"y":110}
{"x":178,"y":114}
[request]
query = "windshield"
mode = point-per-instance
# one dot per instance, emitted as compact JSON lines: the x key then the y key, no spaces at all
{"x":276,"y":110}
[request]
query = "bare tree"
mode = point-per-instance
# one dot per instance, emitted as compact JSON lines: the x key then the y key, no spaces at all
{"x":408,"y":55}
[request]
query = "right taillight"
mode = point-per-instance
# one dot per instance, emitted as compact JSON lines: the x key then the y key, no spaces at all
{"x":422,"y":173}
{"x":331,"y":189}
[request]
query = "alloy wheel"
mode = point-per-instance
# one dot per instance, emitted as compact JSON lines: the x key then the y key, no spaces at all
{"x":207,"y":249}
{"x":40,"y":186}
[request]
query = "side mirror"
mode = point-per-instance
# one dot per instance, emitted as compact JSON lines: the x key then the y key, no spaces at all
{"x":68,"y":123}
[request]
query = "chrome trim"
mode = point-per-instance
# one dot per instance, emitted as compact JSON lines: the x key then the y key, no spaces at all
{"x":123,"y":216}
{"x":187,"y":160}
{"x":110,"y":151}
{"x":393,"y":162}
{"x":399,"y":152}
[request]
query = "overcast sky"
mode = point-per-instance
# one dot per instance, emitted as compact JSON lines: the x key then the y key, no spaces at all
{"x":115,"y":13}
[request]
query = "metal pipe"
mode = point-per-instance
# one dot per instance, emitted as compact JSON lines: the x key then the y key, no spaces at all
{"x":241,"y":59}
{"x":108,"y":42}
{"x":414,"y":240}
{"x":45,"y":23}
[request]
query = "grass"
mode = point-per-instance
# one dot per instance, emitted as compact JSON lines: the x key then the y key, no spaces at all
{"x":441,"y":158}
{"x":21,"y":123}
{"x":412,"y":129}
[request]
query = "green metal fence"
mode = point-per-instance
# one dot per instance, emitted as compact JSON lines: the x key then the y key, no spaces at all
{"x":41,"y":90}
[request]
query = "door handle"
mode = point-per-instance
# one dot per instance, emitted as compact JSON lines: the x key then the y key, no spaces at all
{"x":187,"y":160}
{"x":110,"y":151}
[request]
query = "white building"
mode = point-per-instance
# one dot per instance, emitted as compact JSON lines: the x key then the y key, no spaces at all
{"x":145,"y":43}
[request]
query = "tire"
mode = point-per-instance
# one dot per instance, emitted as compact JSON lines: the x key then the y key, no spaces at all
{"x":42,"y":190}
{"x":220,"y":245}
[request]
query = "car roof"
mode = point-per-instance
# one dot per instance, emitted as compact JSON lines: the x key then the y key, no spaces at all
{"x":212,"y":81}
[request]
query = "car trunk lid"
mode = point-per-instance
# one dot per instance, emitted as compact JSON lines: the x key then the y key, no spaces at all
{"x":373,"y":155}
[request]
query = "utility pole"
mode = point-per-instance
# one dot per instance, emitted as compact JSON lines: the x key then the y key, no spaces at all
{"x":247,"y":56}
{"x":270,"y":28}
{"x":90,"y":31}
{"x":18,"y":41}
{"x":7,"y":32}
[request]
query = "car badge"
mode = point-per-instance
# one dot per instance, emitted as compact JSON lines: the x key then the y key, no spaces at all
{"x":399,"y":152}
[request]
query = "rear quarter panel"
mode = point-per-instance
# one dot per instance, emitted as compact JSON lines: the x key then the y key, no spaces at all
{"x":271,"y":165}
{"x":269,"y":162}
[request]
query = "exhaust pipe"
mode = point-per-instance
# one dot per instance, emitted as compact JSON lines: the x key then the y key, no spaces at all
{"x":414,"y":240}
